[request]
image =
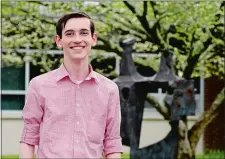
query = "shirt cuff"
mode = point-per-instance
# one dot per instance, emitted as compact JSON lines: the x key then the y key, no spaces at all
{"x":29,"y":137}
{"x":113,"y":146}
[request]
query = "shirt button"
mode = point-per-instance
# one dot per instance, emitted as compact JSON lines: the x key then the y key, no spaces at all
{"x":78,"y":105}
{"x":78,"y":122}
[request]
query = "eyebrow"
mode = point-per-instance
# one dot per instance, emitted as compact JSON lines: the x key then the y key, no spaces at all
{"x":71,"y":30}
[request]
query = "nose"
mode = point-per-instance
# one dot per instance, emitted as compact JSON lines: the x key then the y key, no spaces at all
{"x":77,"y":39}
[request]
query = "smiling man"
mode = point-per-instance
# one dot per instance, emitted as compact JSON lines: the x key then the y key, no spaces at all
{"x":73,"y":111}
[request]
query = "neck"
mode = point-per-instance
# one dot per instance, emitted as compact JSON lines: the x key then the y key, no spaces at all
{"x":78,"y":70}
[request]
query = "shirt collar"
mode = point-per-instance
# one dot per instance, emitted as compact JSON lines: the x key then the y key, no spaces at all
{"x":62,"y":72}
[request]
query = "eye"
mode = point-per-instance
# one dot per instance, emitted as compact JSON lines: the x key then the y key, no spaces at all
{"x":84,"y":33}
{"x":69,"y":34}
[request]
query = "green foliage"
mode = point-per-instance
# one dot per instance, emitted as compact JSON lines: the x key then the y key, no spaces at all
{"x":192,"y":30}
{"x":11,"y":58}
{"x":152,"y":62}
{"x":104,"y":65}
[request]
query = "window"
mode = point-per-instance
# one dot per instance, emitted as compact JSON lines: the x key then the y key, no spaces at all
{"x":13,"y":87}
{"x":15,"y":80}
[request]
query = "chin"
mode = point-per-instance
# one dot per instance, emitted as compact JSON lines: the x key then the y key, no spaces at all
{"x":77,"y":57}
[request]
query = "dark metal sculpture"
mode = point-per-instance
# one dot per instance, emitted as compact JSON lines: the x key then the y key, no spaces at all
{"x":165,"y":75}
{"x":132,"y":96}
{"x":164,"y":149}
{"x":183,"y":104}
{"x":165,"y":72}
{"x":133,"y":89}
{"x":128,"y":71}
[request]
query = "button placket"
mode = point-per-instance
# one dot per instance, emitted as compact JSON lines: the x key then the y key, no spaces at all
{"x":78,"y":125}
{"x":77,"y":138}
{"x":78,"y":101}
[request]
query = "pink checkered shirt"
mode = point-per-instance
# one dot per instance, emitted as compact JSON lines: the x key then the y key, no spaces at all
{"x":69,"y":120}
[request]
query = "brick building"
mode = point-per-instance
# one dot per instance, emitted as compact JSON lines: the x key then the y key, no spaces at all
{"x":214,"y":137}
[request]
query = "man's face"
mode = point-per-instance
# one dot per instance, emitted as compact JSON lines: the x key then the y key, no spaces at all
{"x":76,"y":39}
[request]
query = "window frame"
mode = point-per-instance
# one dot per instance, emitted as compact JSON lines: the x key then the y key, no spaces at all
{"x":148,"y":111}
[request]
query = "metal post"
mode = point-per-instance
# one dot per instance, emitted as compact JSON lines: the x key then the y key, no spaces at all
{"x":27,"y":69}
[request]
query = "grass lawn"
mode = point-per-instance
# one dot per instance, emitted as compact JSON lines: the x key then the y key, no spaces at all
{"x":219,"y":155}
{"x":6,"y":157}
{"x":124,"y":156}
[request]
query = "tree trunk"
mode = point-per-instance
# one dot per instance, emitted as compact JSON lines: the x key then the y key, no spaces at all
{"x":184,"y":145}
{"x":196,"y":131}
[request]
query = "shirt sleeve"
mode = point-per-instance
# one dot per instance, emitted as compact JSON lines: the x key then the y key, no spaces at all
{"x":32,"y":115}
{"x":112,"y":140}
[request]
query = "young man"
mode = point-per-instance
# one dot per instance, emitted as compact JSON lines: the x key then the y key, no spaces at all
{"x":73,"y":111}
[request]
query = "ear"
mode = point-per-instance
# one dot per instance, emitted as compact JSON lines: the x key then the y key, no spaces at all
{"x":94,"y":38}
{"x":58,"y":41}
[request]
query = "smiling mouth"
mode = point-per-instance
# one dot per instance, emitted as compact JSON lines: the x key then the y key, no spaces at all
{"x":77,"y":47}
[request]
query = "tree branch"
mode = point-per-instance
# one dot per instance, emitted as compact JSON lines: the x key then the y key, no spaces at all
{"x":153,"y":8}
{"x":107,"y":46}
{"x":161,"y":109}
{"x":145,"y":6}
{"x":142,"y":19}
{"x":156,"y":26}
{"x":130,"y":7}
{"x":195,"y":132}
{"x":39,"y":3}
{"x":132,"y":29}
{"x":118,"y":18}
{"x":203,"y":55}
{"x":193,"y":39}
{"x":192,"y":60}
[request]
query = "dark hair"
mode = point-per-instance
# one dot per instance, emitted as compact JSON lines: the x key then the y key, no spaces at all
{"x":63,"y":20}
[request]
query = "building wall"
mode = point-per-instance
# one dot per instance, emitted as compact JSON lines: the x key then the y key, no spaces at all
{"x":15,"y":83}
{"x":214,"y":137}
{"x":154,"y":128}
